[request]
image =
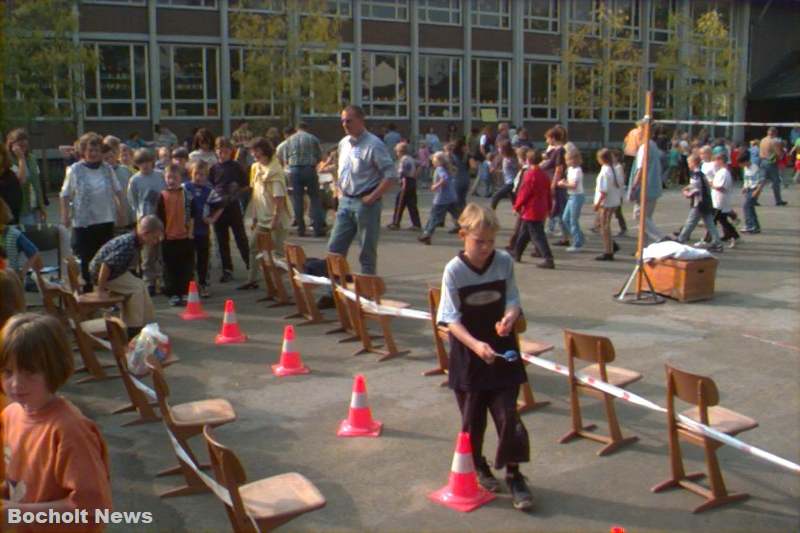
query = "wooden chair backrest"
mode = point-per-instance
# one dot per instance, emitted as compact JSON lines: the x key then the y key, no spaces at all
{"x":434,"y":296}
{"x":369,"y":287}
{"x":72,"y":308}
{"x":49,"y":293}
{"x":229,"y":472}
{"x":73,"y":273}
{"x":691,"y":388}
{"x":590,"y":348}
{"x":338,"y":269}
{"x":161,"y":387}
{"x":118,"y":337}
{"x":295,"y":256}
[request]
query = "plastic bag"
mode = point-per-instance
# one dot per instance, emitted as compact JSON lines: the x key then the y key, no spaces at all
{"x":149,"y":341}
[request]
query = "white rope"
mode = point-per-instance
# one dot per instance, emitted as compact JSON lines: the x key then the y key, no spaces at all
{"x":729,"y":123}
{"x":150,"y":393}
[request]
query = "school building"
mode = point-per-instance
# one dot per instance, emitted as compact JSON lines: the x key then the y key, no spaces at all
{"x":416,"y":63}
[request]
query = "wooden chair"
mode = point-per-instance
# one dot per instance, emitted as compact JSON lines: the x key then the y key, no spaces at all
{"x":369,"y":287}
{"x":51,"y":296}
{"x":73,"y":274}
{"x":87,"y":337}
{"x":273,"y":274}
{"x":701,"y":392}
{"x":184,"y":421}
{"x":261,"y":505}
{"x":339,"y":274}
{"x":139,"y":402}
{"x":303,"y":292}
{"x":599,"y":351}
{"x":441,"y":334}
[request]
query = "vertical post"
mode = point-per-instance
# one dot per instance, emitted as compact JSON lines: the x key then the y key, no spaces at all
{"x":225,"y":69}
{"x":682,"y":85}
{"x":644,"y":31}
{"x":413,"y":92}
{"x":604,"y":14}
{"x":643,"y":190}
{"x":295,"y":58}
{"x":154,"y":62}
{"x":563,"y":72}
{"x":356,"y":66}
{"x":466,"y":78}
{"x":742,"y":58}
{"x":517,"y":62}
{"x":75,"y":71}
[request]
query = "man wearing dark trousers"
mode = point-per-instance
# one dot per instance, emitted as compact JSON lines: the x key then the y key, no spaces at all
{"x":301,"y":152}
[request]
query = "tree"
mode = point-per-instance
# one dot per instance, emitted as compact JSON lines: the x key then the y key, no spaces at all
{"x":43,"y":64}
{"x":602,"y":66}
{"x":289,"y":64}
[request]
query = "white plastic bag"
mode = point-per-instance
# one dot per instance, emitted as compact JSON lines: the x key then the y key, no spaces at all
{"x":149,"y":341}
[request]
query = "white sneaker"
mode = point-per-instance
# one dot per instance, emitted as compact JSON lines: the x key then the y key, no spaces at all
{"x":732,"y":243}
{"x":702,"y":244}
{"x":573,"y":249}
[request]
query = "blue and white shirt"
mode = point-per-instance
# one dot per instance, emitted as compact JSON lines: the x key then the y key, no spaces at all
{"x":364,"y":162}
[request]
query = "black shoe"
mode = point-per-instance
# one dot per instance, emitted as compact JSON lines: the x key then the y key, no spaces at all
{"x":393,"y":226}
{"x":604,"y":257}
{"x":424,"y":239}
{"x":521,"y":496}
{"x":247,"y":286}
{"x":227,"y":276}
{"x":325,"y":302}
{"x":616,"y":246}
{"x":781,"y":204}
{"x":536,"y":253}
{"x":485,"y":476}
{"x":453,"y":231}
{"x":547,"y":263}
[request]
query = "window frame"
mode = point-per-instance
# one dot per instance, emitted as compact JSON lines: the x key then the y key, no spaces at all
{"x":267,"y":10}
{"x":504,"y":70}
{"x":170,"y":5}
{"x":596,"y":106}
{"x":238,"y":108}
{"x":667,"y":33}
{"x":140,"y":3}
{"x":668,"y":93}
{"x":551,"y":107}
{"x":632,"y":108}
{"x":398,"y":5}
{"x":205,"y":101}
{"x":134,"y":101}
{"x":552,"y":19}
{"x":369,"y":103}
{"x":454,"y":11}
{"x":347,"y":79}
{"x":453,"y":103}
{"x":634,"y":26}
{"x":576,"y":24}
{"x":504,"y":14}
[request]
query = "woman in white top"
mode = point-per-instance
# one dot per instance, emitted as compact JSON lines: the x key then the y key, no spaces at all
{"x":573,"y":183}
{"x":203,"y":147}
{"x":607,"y":199}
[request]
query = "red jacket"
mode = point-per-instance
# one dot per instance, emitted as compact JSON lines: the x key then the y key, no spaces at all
{"x":534,"y":199}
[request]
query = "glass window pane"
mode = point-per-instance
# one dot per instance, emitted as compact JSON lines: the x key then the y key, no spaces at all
{"x":141,"y":110}
{"x":140,"y":69}
{"x":117,"y":110}
{"x":189,"y":110}
{"x":211,"y":72}
{"x":115,"y":72}
{"x":188,"y":64}
{"x":165,"y":60}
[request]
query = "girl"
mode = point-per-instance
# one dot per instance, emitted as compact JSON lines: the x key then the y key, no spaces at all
{"x":56,"y":459}
{"x":533,"y":204}
{"x":203,"y":147}
{"x":445,"y":199}
{"x":199,"y":190}
{"x":510,"y":167}
{"x":23,"y":164}
{"x":553,"y":165}
{"x":607,"y":199}
{"x":573,"y":183}
{"x":423,"y":161}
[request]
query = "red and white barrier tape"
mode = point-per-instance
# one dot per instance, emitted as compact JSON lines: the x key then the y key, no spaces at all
{"x":150,"y":393}
{"x":729,"y":123}
{"x":643,"y":402}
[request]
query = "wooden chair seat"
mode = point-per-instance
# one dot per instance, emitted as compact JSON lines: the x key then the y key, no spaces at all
{"x":95,"y":327}
{"x":284,"y":494}
{"x":617,"y":376}
{"x":722,"y":419}
{"x":395,"y":303}
{"x":534,"y":347}
{"x":212,"y":412}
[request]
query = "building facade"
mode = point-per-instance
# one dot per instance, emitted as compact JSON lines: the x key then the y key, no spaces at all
{"x":415,"y":63}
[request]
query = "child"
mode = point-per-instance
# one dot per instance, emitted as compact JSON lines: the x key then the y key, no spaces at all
{"x":751,"y":188}
{"x":509,"y":167}
{"x":480,"y":304}
{"x":699,"y":194}
{"x":673,"y":163}
{"x":721,"y":192}
{"x":180,"y":157}
{"x":573,"y":183}
{"x":56,"y":459}
{"x":110,"y":152}
{"x":164,"y":158}
{"x":126,"y":158}
{"x":175,"y":211}
{"x":199,"y":190}
{"x":423,"y":161}
{"x":407,"y":195}
{"x":607,"y":199}
{"x":707,"y":166}
{"x":533,"y":203}
{"x":143,"y":193}
{"x":484,"y":174}
{"x":445,"y":199}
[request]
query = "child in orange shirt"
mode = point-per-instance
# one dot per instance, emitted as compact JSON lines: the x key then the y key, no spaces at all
{"x":55,"y":458}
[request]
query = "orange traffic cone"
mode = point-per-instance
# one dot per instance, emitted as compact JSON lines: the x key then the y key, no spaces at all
{"x":290,"y":363}
{"x":194,"y":310}
{"x":617,"y":529}
{"x":462,"y":492}
{"x":230,"y":333}
{"x":359,"y":421}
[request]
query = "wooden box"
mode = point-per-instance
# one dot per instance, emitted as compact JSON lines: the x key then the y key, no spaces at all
{"x":685,"y":281}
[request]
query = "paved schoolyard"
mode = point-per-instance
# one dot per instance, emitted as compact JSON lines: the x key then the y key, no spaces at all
{"x":746,"y":338}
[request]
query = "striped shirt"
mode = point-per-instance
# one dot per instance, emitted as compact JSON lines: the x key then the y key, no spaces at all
{"x":301,"y":149}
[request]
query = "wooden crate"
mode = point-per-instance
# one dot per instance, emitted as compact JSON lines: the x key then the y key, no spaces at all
{"x":685,"y":281}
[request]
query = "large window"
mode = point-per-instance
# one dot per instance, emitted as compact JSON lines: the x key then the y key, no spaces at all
{"x":583,"y":13}
{"x":189,"y":81}
{"x":329,"y":88}
{"x":384,"y":79}
{"x":491,"y":88}
{"x":129,"y":2}
{"x":661,"y":19}
{"x":118,"y":87}
{"x":663,"y":94}
{"x":585,"y":93}
{"x":440,"y":11}
{"x":491,"y":13}
{"x":628,"y":13}
{"x":541,"y":15}
{"x":259,"y":108}
{"x":440,"y":86}
{"x":541,"y":91}
{"x":263,"y":6}
{"x":624,"y":97}
{"x":384,"y":9}
{"x":188,"y":3}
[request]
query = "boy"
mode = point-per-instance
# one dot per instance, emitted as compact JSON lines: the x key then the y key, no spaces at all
{"x":699,"y":194}
{"x":180,"y":157}
{"x":480,"y":304}
{"x":143,"y":192}
{"x":445,"y":199}
{"x":407,"y":195}
{"x":751,"y":188}
{"x":533,"y":204}
{"x":164,"y":158}
{"x":721,"y":189}
{"x":199,"y":191}
{"x":175,"y":211}
{"x":110,"y":152}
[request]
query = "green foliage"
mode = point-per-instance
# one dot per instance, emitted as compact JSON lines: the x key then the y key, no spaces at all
{"x":41,"y":62}
{"x":290,"y":64}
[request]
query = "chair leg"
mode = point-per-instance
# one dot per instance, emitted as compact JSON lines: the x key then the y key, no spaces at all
{"x":617,"y":441}
{"x":677,"y":471}
{"x":391,"y":346}
{"x":528,"y":401}
{"x":194,"y":485}
{"x":578,"y":429}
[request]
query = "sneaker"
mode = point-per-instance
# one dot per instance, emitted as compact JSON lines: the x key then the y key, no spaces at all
{"x":204,"y":291}
{"x":573,"y":249}
{"x":622,"y":233}
{"x":702,"y":244}
{"x":747,"y":230}
{"x":562,"y":242}
{"x":424,"y":239}
{"x":604,"y":257}
{"x":548,"y":264}
{"x":485,"y":476}
{"x":521,"y":496}
{"x":732,"y":243}
{"x":227,"y":276}
{"x":175,"y":301}
{"x":718,"y":248}
{"x":393,"y":226}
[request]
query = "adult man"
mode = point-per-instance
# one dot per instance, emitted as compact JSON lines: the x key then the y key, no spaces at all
{"x":631,"y":144}
{"x":392,"y":138}
{"x":655,"y":187}
{"x":769,"y":151}
{"x":366,"y":172}
{"x":301,"y":152}
{"x":110,"y":270}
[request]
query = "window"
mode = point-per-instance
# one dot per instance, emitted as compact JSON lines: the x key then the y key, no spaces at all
{"x":440,"y":11}
{"x":663,"y":94}
{"x":723,"y":7}
{"x":384,"y":9}
{"x":189,"y":81}
{"x":662,"y":16}
{"x":263,"y":6}
{"x":440,"y":86}
{"x":384,"y":79}
{"x":708,"y":100}
{"x":188,"y":3}
{"x":491,"y":88}
{"x":338,"y":8}
{"x":491,"y":13}
{"x":541,"y":15}
{"x":583,"y":13}
{"x":585,"y":93}
{"x":129,"y":2}
{"x":333,"y":71}
{"x":628,"y":10}
{"x":118,"y":87}
{"x":624,"y":97}
{"x":264,"y":108}
{"x":541,"y":91}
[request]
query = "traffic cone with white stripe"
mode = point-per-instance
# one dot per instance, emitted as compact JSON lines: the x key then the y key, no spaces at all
{"x":359,"y":421}
{"x":290,"y":363}
{"x":194,"y":310}
{"x":230,"y":333}
{"x":462,"y":492}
